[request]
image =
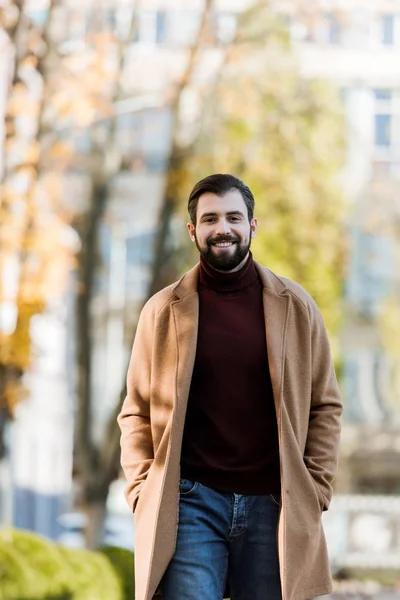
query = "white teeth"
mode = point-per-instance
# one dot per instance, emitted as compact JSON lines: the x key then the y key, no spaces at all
{"x":224,"y":244}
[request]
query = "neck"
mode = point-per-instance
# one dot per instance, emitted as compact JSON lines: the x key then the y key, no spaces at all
{"x":240,"y":266}
{"x":228,"y":281}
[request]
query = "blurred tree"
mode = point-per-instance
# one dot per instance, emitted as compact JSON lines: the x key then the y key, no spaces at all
{"x":52,"y":108}
{"x":49,"y":106}
{"x":95,"y":468}
{"x":197,"y":97}
{"x":284,"y":136}
{"x":260,"y":119}
{"x":97,"y":463}
{"x":35,"y":256}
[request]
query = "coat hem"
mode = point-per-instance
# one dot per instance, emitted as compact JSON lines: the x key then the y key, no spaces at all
{"x":312,"y":592}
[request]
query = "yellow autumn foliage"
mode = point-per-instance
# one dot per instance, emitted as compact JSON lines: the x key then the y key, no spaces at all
{"x":284,"y":136}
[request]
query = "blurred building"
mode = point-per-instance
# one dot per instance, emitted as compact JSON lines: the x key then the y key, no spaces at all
{"x":357,"y":46}
{"x":42,"y":434}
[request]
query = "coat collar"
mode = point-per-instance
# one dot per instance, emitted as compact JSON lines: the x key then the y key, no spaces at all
{"x":187,"y":285}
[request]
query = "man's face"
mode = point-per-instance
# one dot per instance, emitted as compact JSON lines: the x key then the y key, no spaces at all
{"x":223,"y":233}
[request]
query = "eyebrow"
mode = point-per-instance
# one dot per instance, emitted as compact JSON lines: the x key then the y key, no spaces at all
{"x":214,"y":214}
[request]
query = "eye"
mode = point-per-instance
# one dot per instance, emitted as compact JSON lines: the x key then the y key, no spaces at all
{"x":234,"y":218}
{"x":209,"y":220}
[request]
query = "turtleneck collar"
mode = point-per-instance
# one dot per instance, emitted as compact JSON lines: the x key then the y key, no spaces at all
{"x":228,"y":282}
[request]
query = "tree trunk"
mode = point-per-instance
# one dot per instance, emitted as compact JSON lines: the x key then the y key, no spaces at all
{"x":98,"y":467}
{"x":176,"y":157}
{"x":109,"y":456}
{"x":85,"y":450}
{"x":92,"y":472}
{"x":4,"y":416}
{"x":95,"y":512}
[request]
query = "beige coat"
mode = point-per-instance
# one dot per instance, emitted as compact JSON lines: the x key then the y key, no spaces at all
{"x":308,"y":408}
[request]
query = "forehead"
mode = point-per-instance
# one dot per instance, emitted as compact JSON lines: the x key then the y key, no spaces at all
{"x":211,"y":203}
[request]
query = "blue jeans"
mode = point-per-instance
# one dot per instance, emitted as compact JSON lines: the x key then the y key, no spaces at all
{"x":224,"y":538}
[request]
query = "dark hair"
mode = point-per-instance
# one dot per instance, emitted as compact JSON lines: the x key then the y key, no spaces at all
{"x":219,"y":184}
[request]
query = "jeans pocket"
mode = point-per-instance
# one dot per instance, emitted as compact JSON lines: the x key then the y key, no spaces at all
{"x":187,"y":486}
{"x":275,"y":499}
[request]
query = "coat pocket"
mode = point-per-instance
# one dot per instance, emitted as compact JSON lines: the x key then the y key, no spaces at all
{"x":318,"y":494}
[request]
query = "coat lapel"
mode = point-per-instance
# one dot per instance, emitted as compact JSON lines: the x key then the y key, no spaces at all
{"x":186,"y":320}
{"x":275,"y":312}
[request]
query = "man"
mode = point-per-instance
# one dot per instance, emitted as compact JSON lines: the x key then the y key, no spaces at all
{"x":230,"y":427}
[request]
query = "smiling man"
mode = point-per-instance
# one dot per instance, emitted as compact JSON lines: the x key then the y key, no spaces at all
{"x":230,"y":427}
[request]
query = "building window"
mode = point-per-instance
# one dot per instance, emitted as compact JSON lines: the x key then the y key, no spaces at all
{"x":110,"y":19}
{"x":140,"y":249}
{"x":383,"y":117}
{"x":382,"y":130}
{"x":153,"y":27}
{"x":382,"y":94}
{"x":344,"y":95}
{"x":387,"y":30}
{"x":370,"y":275}
{"x":147,"y":27}
{"x":183,"y":26}
{"x":225,"y":26}
{"x":161,"y":27}
{"x":334,"y":32}
{"x":123,"y":23}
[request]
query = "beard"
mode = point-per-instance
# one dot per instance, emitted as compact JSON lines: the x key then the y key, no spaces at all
{"x":228,"y":260}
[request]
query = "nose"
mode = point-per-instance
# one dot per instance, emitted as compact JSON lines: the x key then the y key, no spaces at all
{"x":223,"y":227}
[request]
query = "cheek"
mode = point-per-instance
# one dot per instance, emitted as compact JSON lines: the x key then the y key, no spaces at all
{"x":202,"y":236}
{"x":245,"y":234}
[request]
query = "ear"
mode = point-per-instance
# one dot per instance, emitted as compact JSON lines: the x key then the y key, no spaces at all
{"x":191,"y":230}
{"x":253,"y":227}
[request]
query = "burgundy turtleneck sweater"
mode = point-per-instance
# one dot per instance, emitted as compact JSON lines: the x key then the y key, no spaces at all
{"x":230,"y":440}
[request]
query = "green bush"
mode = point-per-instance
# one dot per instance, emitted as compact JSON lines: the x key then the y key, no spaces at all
{"x":94,"y":577}
{"x":18,"y":581}
{"x":123,"y":563}
{"x":33,"y":568}
{"x":45,"y":560}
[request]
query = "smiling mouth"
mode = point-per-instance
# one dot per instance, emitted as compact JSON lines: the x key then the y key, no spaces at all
{"x":223,"y":244}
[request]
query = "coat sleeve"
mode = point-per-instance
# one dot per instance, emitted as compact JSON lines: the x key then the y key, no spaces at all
{"x":134,"y":419}
{"x":322,"y":444}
